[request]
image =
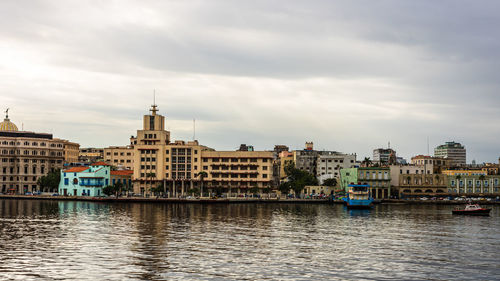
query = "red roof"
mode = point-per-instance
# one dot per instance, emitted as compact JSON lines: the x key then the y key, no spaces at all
{"x":76,"y":169}
{"x":99,"y":164}
{"x":122,"y":173}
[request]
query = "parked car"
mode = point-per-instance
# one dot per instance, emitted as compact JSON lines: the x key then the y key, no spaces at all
{"x":55,"y":194}
{"x":28,"y":193}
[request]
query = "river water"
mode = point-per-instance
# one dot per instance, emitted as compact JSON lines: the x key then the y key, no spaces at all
{"x":64,"y":240}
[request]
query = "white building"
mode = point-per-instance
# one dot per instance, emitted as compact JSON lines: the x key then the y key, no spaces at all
{"x":329,"y":163}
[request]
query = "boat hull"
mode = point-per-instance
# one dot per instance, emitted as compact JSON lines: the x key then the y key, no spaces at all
{"x":481,"y":212}
{"x":359,"y":204}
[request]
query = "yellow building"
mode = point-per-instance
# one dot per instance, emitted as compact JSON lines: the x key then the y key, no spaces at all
{"x":71,"y":151}
{"x":476,"y":172}
{"x":121,"y":157}
{"x":180,"y":167}
{"x":285,"y":158}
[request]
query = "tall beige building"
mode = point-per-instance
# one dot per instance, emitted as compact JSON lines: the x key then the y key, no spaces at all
{"x":121,"y":157}
{"x":181,"y":166}
{"x":27,"y":156}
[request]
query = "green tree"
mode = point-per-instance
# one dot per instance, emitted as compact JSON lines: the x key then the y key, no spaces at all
{"x":109,"y":190}
{"x":330,"y":182}
{"x":366,"y":162}
{"x":50,"y":181}
{"x":202,"y":176}
{"x":285,"y":187}
{"x":254,"y":190}
{"x":118,"y":188}
{"x":194,"y":191}
{"x":298,"y":179}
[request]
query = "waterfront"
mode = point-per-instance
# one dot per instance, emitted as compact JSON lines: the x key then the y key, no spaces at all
{"x":95,"y":241}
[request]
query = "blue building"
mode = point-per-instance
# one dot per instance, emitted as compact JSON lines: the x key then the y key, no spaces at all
{"x":85,"y":181}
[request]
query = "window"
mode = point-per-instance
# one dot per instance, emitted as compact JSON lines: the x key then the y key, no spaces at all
{"x":66,"y":181}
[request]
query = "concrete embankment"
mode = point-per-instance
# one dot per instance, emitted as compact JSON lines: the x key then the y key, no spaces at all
{"x":232,"y":200}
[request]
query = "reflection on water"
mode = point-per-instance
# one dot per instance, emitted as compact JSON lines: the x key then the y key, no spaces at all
{"x":95,"y":241}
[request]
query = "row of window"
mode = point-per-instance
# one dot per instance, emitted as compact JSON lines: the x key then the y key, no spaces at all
{"x":235,"y":160}
{"x":27,"y":143}
{"x":470,"y":182}
{"x":235,"y":176}
{"x":33,"y":152}
{"x":26,"y":169}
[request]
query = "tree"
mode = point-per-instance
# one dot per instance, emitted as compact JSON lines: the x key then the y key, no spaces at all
{"x":157,"y":190}
{"x":267,"y":190}
{"x":254,"y":190}
{"x":51,"y":180}
{"x":366,"y":162}
{"x":109,"y":190}
{"x":330,"y":182}
{"x":285,"y":187}
{"x":202,"y":176}
{"x":150,"y":176}
{"x":298,"y":179}
{"x":118,"y":188}
{"x":194,"y":191}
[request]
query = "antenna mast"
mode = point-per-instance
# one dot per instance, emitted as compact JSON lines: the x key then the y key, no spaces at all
{"x":194,"y":129}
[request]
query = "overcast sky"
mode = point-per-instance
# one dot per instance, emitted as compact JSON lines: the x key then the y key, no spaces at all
{"x":348,"y":75}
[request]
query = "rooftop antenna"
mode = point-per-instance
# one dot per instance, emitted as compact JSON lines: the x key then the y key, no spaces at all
{"x":22,"y":126}
{"x":428,"y":146}
{"x":389,"y":144}
{"x":194,"y":129}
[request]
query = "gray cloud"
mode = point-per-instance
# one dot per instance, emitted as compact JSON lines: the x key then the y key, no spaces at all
{"x":350,"y":76}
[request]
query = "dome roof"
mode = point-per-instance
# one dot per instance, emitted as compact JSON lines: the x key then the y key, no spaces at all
{"x":6,"y":125}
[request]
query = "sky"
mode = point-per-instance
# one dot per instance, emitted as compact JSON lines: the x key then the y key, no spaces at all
{"x":351,"y":76}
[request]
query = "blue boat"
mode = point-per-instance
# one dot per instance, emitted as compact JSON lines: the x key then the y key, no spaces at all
{"x":358,"y":196}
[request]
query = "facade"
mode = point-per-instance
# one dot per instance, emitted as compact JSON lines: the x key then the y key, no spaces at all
{"x":438,"y":163}
{"x":305,"y":160}
{"x":285,"y":158}
{"x":472,"y":172}
{"x":413,"y":180}
{"x":90,"y":155}
{"x":27,"y":156}
{"x":85,"y":181}
{"x":378,"y":178}
{"x":237,"y":171}
{"x":384,"y":156}
{"x":329,"y":164}
{"x":453,"y":151}
{"x":71,"y":151}
{"x":123,"y":177}
{"x":181,"y":167}
{"x":121,"y":157}
{"x":474,"y":184}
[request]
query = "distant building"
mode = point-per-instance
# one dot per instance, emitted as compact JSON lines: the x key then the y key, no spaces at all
{"x":474,"y":185}
{"x":453,"y":151}
{"x":280,"y":148}
{"x":121,"y":157}
{"x":244,"y":147}
{"x":124,"y":177}
{"x":90,"y":155}
{"x":384,"y":156}
{"x":438,"y":163}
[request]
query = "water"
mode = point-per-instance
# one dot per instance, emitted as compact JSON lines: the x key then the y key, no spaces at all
{"x":59,"y":240}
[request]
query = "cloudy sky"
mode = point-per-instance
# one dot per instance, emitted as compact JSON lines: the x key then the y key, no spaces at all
{"x":349,"y":75}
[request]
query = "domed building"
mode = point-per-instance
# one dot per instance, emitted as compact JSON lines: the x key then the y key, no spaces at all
{"x":27,"y":156}
{"x":6,"y":125}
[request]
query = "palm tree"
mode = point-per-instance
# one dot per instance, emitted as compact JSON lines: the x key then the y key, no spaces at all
{"x":150,"y":176}
{"x":367,"y":161}
{"x":202,"y":176}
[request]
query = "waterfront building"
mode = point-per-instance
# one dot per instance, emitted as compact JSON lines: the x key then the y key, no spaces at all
{"x":181,"y":167}
{"x":85,"y":181}
{"x":90,"y":155}
{"x":121,"y":157}
{"x":384,"y":156}
{"x":244,"y":147}
{"x":474,"y":184}
{"x":453,"y":151}
{"x":237,"y":171}
{"x":378,"y":178}
{"x":27,"y":156}
{"x":416,"y":180}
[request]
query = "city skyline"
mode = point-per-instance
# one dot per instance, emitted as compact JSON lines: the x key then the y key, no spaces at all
{"x":349,"y":77}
